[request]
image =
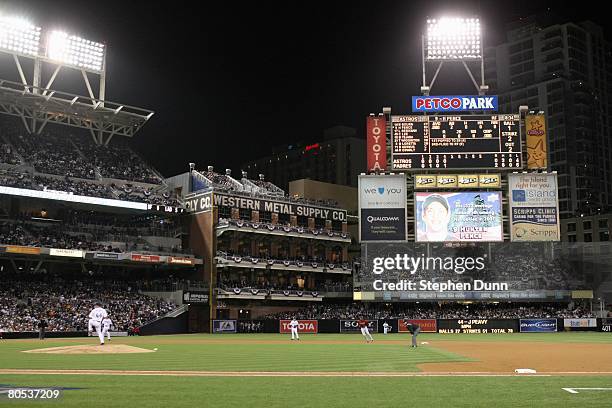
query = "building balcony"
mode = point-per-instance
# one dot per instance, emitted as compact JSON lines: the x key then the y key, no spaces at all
{"x":281,"y":230}
{"x":224,"y":261}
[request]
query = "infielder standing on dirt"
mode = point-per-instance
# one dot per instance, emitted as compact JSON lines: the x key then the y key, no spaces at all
{"x":414,"y":329}
{"x":363,"y":325}
{"x":106,"y":325}
{"x":294,"y":329}
{"x":95,"y":320}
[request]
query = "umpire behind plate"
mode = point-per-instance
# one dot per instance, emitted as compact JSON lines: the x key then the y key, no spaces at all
{"x":414,"y":329}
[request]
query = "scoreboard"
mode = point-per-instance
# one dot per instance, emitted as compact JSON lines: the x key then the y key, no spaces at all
{"x":456,"y":142}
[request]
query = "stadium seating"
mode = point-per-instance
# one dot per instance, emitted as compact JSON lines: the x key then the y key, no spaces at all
{"x":65,"y":304}
{"x":435,"y":311}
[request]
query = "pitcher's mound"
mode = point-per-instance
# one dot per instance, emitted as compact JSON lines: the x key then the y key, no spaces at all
{"x":92,"y":349}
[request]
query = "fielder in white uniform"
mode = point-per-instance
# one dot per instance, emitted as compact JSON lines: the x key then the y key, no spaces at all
{"x":386,"y":327}
{"x":95,"y":321}
{"x":106,"y":325}
{"x":294,"y":329}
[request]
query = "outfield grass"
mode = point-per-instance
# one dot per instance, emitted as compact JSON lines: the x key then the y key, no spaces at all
{"x":275,"y":352}
{"x":248,"y":352}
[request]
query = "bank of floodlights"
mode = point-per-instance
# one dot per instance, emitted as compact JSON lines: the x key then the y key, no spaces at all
{"x":453,"y":39}
{"x":18,"y":35}
{"x":75,"y":51}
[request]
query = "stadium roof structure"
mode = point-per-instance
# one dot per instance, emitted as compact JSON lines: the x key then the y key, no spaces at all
{"x":40,"y":105}
{"x":61,"y":51}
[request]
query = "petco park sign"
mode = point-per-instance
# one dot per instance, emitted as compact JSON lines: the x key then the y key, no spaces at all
{"x":453,"y":103}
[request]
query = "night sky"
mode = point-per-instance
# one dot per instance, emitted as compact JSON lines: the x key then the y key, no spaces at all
{"x":229,"y":81}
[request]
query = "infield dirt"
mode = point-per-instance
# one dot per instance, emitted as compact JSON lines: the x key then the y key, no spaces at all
{"x":92,"y":349}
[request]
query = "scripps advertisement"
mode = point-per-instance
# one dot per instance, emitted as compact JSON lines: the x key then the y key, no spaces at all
{"x":512,"y":271}
{"x":473,"y":216}
{"x":534,"y":208}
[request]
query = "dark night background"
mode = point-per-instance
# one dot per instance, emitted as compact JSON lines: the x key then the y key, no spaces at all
{"x":229,"y":81}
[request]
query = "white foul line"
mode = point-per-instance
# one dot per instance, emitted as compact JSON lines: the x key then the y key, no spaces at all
{"x":574,"y":390}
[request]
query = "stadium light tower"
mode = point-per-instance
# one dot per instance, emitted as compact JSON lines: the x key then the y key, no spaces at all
{"x":452,"y":40}
{"x":37,"y":105}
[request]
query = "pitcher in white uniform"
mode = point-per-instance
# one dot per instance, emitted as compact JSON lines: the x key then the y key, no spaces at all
{"x":95,"y":320}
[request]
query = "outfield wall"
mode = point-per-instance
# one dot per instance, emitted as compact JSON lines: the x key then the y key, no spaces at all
{"x":443,"y":326}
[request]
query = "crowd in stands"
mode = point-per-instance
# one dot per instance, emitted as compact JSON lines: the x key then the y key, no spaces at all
{"x":29,"y":235}
{"x":119,"y":162}
{"x":272,"y":283}
{"x":435,"y":311}
{"x":52,"y":154}
{"x":7,"y":155}
{"x":126,"y":192}
{"x":65,"y":305}
{"x":12,"y":179}
{"x":57,"y":152}
{"x":74,"y":186}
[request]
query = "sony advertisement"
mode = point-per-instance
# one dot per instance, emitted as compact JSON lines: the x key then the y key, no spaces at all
{"x":473,"y":216}
{"x":534,"y":208}
{"x":484,"y":271}
{"x":382,"y":207}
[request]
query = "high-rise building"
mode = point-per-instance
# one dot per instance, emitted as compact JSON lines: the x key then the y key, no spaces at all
{"x":337,"y":159}
{"x":565,"y":70}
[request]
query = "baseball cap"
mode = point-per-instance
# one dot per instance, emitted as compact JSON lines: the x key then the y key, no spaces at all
{"x":435,"y":198}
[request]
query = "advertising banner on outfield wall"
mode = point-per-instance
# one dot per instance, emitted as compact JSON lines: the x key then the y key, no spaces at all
{"x":382,"y":207}
{"x":534,"y":207}
{"x":538,"y":325}
{"x":427,"y":325}
{"x":224,"y":326}
{"x":304,"y":326}
{"x":352,"y":326}
{"x":471,"y":216}
{"x":376,"y":143}
{"x":579,"y":322}
{"x":537,"y":144}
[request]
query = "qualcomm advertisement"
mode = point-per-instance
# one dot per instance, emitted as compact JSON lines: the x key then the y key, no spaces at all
{"x":453,"y":103}
{"x":534,"y":208}
{"x":538,"y":325}
{"x":382,"y":207}
{"x":473,"y":216}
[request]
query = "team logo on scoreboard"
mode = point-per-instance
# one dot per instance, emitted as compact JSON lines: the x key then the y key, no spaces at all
{"x":466,"y":181}
{"x":447,"y":181}
{"x":425,"y":181}
{"x":489,"y":180}
{"x":461,"y":181}
{"x":454,"y":103}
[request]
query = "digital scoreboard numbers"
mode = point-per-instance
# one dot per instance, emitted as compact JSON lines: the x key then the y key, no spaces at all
{"x":477,"y":326}
{"x":456,"y":142}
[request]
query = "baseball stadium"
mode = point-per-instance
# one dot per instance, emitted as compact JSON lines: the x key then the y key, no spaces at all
{"x":450,"y":273}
